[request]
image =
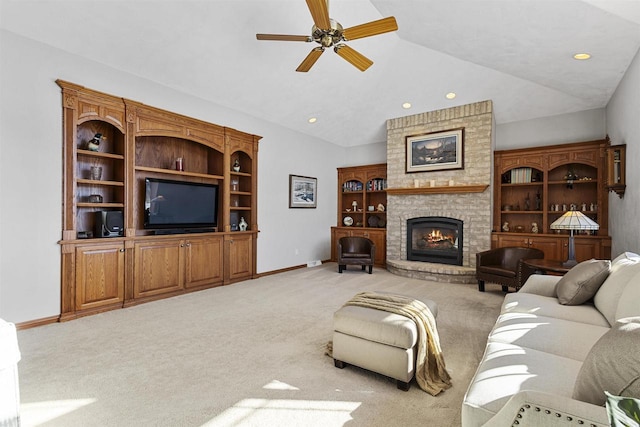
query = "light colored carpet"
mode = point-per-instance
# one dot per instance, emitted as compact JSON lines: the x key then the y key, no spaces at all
{"x":248,"y":354}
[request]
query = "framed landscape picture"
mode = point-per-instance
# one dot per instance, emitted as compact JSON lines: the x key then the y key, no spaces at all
{"x":303,"y":192}
{"x":435,"y":151}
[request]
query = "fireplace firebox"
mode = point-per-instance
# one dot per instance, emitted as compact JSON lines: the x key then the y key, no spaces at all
{"x":434,"y":239}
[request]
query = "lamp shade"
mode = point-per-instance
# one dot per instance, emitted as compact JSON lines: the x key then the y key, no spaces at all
{"x":574,"y":220}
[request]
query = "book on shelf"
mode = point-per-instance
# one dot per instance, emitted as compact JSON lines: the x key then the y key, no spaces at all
{"x":352,"y":186}
{"x":377,"y":185}
{"x":521,"y":175}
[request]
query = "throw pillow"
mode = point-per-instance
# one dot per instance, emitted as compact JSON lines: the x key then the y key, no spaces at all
{"x":582,"y":282}
{"x":612,"y":365}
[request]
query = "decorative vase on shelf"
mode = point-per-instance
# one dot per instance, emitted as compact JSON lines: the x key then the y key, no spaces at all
{"x":236,"y":166}
{"x":243,"y":224}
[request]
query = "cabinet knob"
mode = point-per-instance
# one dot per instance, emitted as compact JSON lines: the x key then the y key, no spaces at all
{"x":188,"y":245}
{"x":182,"y":245}
{"x":121,"y":250}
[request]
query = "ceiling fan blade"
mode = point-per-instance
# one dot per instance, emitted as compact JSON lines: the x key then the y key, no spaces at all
{"x":320,"y":13}
{"x":372,"y":28}
{"x":311,"y":59}
{"x":357,"y":59}
{"x":284,"y":37}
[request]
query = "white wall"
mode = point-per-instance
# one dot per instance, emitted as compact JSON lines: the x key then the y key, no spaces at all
{"x":582,"y":126}
{"x":31,"y":172}
{"x":623,"y":127}
{"x":367,"y":154}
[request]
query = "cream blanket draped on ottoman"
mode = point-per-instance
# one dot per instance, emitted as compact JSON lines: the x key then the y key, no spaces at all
{"x":431,"y":373}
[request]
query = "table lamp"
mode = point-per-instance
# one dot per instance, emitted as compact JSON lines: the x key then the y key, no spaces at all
{"x":573,"y":220}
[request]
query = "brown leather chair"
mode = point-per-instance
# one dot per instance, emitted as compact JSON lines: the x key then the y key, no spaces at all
{"x":355,"y":251}
{"x":503,"y":266}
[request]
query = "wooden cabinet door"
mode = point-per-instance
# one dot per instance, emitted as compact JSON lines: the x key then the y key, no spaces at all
{"x":585,"y":249}
{"x":99,"y":275}
{"x":203,"y":261}
{"x":379,"y":238}
{"x":158,"y":267}
{"x":239,"y":253}
{"x":336,"y":235}
{"x":512,"y":240}
{"x":551,"y":246}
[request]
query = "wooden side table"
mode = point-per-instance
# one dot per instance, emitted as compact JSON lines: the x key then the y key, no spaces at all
{"x":541,"y":266}
{"x":545,"y":266}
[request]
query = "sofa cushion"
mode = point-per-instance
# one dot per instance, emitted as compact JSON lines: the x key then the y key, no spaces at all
{"x":582,"y":282}
{"x":623,"y":268}
{"x":507,"y":369}
{"x":541,"y":284}
{"x":629,"y":305}
{"x":613,"y":364}
{"x":570,"y":339}
{"x":519,"y":302}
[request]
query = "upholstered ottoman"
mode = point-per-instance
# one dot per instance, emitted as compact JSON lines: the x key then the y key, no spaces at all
{"x":377,"y":340}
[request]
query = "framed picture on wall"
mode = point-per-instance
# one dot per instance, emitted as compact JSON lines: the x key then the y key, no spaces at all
{"x":435,"y":151}
{"x":303,"y":192}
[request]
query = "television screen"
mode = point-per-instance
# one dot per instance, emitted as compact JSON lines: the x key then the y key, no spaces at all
{"x":179,"y":204}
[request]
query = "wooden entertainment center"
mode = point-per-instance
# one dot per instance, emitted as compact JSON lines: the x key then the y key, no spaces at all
{"x":139,"y":141}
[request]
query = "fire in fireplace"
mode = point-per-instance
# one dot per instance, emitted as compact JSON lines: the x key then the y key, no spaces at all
{"x":434,"y":239}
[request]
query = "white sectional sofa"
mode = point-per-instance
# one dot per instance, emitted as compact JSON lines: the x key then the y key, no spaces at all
{"x":545,"y":361}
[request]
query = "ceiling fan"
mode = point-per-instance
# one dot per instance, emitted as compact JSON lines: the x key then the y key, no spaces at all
{"x":327,"y":33}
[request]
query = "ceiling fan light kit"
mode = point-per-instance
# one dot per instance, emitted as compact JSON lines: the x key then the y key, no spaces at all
{"x":328,"y":32}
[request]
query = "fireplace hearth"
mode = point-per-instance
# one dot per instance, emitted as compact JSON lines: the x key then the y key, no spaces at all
{"x":435,"y":239}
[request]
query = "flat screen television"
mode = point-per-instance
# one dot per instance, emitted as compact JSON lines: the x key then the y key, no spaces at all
{"x":179,"y":205}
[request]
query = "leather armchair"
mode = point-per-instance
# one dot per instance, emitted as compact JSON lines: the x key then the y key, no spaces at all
{"x":503,"y":266}
{"x":355,"y":251}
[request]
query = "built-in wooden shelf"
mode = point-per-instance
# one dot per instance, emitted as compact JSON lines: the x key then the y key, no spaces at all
{"x":450,"y":189}
{"x":95,"y":182}
{"x":181,"y":173}
{"x":89,"y":153}
{"x":100,"y":205}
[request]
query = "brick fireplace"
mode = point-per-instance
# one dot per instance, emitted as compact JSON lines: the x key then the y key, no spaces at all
{"x":461,"y":194}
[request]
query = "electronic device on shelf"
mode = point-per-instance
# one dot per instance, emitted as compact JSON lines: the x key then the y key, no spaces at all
{"x":109,"y":224}
{"x":180,"y":206}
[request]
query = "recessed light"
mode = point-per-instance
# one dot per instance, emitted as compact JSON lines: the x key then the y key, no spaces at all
{"x":581,"y":56}
{"x":312,"y":120}
{"x":406,"y":105}
{"x":450,"y":95}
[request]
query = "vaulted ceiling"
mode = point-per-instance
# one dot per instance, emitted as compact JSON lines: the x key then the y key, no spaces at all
{"x":517,"y":53}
